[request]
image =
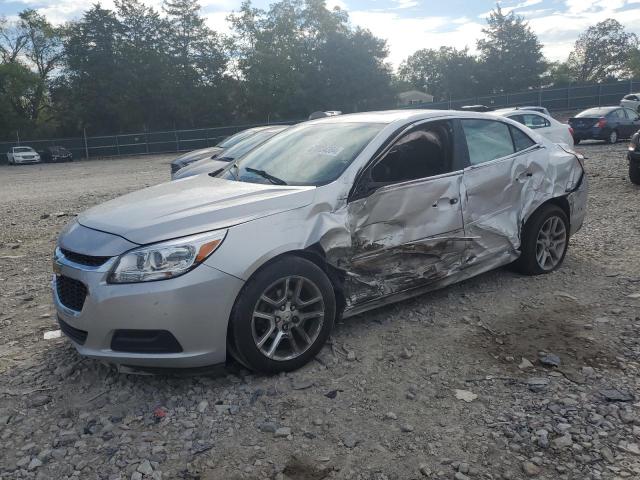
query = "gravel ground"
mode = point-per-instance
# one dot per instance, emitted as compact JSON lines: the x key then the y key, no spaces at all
{"x":463,"y":383}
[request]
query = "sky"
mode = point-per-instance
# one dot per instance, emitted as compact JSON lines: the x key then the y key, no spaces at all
{"x":409,"y":25}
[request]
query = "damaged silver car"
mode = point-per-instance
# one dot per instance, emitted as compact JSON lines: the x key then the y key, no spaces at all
{"x":330,"y":218}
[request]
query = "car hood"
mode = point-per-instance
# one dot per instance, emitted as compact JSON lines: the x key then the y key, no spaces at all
{"x":197,"y":155}
{"x":189,"y":206}
{"x":206,"y":165}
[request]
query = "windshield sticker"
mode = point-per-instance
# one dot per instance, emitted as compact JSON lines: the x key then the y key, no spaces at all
{"x":328,"y":150}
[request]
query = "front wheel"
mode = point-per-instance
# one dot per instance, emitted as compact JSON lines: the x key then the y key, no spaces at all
{"x":283,"y":316}
{"x":634,"y":173}
{"x":544,"y":242}
{"x":613,"y":137}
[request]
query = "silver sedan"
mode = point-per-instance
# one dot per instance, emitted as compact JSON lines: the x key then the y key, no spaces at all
{"x":328,"y":219}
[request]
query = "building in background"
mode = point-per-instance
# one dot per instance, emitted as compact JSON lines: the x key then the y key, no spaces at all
{"x":413,"y":97}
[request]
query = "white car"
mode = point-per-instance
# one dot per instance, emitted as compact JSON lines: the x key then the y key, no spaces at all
{"x":631,"y":101}
{"x":18,"y":155}
{"x":543,"y":124}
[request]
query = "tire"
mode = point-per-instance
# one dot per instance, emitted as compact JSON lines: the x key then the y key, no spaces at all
{"x":613,"y":137}
{"x":634,"y":173}
{"x":254,"y":320}
{"x":529,"y":263}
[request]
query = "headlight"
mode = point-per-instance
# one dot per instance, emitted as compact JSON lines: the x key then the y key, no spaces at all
{"x":165,"y":260}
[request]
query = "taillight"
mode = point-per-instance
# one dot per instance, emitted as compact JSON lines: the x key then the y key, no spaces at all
{"x":571,"y":131}
{"x":602,"y":123}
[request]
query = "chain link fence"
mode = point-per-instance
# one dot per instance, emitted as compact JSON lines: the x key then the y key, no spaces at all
{"x":142,"y":143}
{"x":554,"y":99}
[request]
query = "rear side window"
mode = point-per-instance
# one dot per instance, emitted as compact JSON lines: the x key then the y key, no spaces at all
{"x":487,"y":140}
{"x":631,"y":115}
{"x":617,"y":114}
{"x":521,"y":140}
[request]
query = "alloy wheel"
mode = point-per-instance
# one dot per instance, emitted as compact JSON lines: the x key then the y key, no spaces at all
{"x":551,"y":243}
{"x":613,"y":137}
{"x":287,"y":318}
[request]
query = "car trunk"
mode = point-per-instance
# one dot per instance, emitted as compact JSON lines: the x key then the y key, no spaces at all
{"x":583,"y":123}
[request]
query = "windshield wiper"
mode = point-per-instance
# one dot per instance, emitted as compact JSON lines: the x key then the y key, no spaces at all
{"x":263,"y":174}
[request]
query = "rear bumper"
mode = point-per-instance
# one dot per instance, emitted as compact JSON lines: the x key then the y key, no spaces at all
{"x":193,"y":309}
{"x":578,"y":205}
{"x":591,"y":133}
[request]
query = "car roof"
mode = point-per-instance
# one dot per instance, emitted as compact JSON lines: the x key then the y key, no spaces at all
{"x":392,"y":116}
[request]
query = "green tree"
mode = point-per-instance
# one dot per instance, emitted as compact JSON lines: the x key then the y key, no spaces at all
{"x":17,"y":87}
{"x":43,"y":50}
{"x":511,"y":54}
{"x":198,"y":62}
{"x":442,"y":73}
{"x":298,"y":57}
{"x":602,"y":52}
{"x":90,"y":95}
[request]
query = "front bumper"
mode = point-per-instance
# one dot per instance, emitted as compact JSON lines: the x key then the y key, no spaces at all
{"x":194,"y":308}
{"x":22,"y":161}
{"x":634,"y":158}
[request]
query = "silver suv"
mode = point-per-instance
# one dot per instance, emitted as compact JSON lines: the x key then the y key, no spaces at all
{"x":328,"y":219}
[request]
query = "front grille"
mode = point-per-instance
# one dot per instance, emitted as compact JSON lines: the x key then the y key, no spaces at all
{"x":71,"y":293}
{"x":88,"y":260}
{"x":75,"y":334}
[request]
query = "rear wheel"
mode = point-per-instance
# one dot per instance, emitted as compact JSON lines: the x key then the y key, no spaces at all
{"x":613,"y":137}
{"x":283,"y":316}
{"x":544,"y":243}
{"x":634,"y":173}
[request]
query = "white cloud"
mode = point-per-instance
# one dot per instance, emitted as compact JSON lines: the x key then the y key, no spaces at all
{"x":406,"y":35}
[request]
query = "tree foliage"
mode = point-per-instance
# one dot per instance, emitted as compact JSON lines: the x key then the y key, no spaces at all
{"x":133,"y":67}
{"x":602,"y":52}
{"x":446,"y":72}
{"x":511,"y":54}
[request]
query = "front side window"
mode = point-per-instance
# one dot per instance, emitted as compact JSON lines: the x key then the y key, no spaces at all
{"x":487,"y":140}
{"x":306,"y":154}
{"x":421,"y":153}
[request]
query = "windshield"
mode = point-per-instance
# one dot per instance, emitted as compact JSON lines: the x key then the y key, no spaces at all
{"x":306,"y":154}
{"x":236,"y":138}
{"x":247,"y":145}
{"x":23,"y":149}
{"x":594,"y":112}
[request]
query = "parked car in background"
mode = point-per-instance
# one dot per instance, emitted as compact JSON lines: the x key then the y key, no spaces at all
{"x":20,"y":155}
{"x":475,"y":108}
{"x":604,"y":123}
{"x":56,"y":154}
{"x":535,"y":108}
{"x":543,"y":124}
{"x":631,"y":101}
{"x":328,"y":219}
{"x":212,"y":152}
{"x":209,"y":165}
{"x":634,"y":158}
